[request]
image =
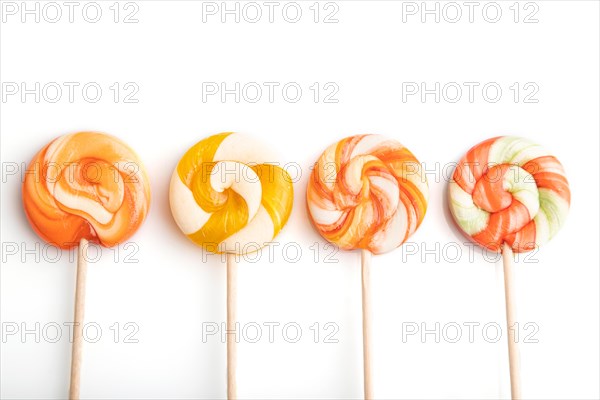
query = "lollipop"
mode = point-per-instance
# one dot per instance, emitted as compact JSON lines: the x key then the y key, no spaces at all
{"x":82,"y":187}
{"x":509,"y":195}
{"x":228,"y":197}
{"x":367,"y":192}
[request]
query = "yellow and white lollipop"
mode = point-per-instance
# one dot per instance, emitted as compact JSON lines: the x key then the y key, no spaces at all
{"x":228,"y":195}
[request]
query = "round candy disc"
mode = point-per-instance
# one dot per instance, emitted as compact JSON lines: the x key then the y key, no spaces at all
{"x":86,"y":185}
{"x":509,"y":189}
{"x":367,"y":192}
{"x":228,"y":194}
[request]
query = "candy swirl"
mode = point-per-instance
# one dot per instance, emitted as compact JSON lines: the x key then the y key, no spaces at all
{"x":509,"y":190}
{"x":86,"y":185}
{"x":367,"y":192}
{"x":228,"y":196}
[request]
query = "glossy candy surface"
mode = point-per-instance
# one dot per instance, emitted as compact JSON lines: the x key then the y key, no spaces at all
{"x":228,"y":195}
{"x":509,"y":189}
{"x":86,"y":185}
{"x":367,"y":192}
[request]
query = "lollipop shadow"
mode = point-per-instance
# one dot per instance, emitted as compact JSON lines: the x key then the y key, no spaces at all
{"x":209,"y":272}
{"x":18,"y":214}
{"x":448,"y":215}
{"x":164,"y":209}
{"x":349,"y":370}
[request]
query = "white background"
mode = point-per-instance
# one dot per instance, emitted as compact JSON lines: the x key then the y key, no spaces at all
{"x":369,"y":53}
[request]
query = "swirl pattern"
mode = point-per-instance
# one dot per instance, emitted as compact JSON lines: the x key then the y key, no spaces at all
{"x":228,"y":196}
{"x":367,"y":192}
{"x":86,"y":185}
{"x":509,"y":190}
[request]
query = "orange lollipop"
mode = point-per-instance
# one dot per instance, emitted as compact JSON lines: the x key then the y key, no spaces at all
{"x":86,"y":186}
{"x":367,"y":192}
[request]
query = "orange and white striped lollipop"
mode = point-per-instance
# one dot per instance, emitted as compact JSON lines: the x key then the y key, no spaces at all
{"x":86,"y":185}
{"x":509,"y":194}
{"x":367,"y":192}
{"x":81,"y":187}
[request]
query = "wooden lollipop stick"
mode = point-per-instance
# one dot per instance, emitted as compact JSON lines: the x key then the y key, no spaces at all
{"x":78,"y":321}
{"x":231,"y":320}
{"x":365,"y":258}
{"x":511,"y":317}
